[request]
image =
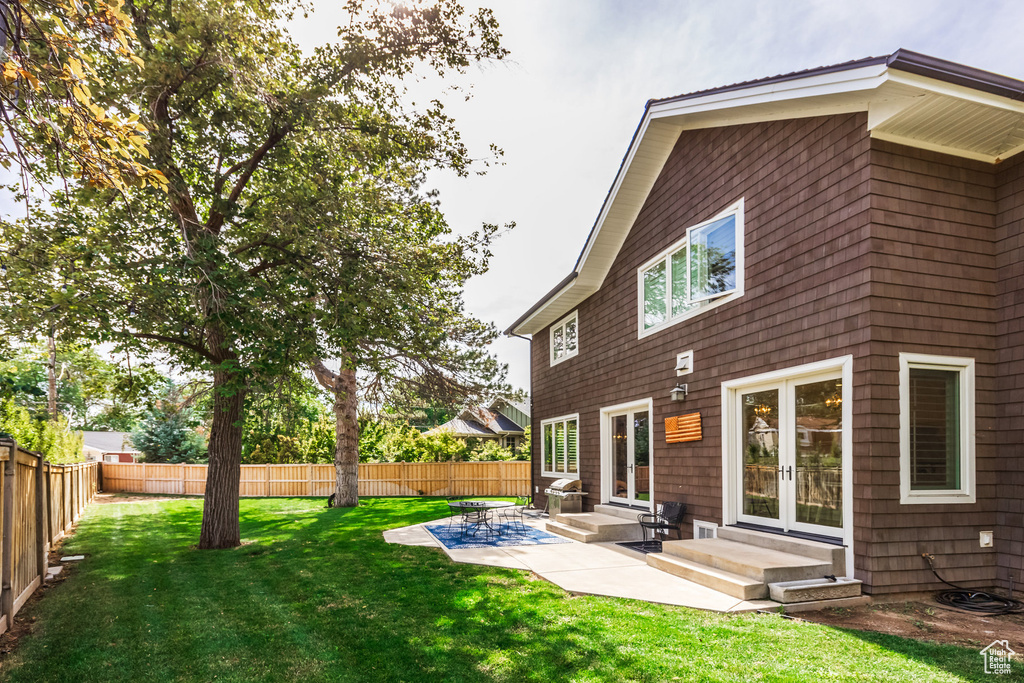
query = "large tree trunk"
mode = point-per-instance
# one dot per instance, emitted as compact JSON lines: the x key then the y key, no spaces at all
{"x":220,"y":504}
{"x":346,"y":429}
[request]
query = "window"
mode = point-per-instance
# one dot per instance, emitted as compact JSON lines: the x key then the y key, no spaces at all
{"x":704,"y":269}
{"x":510,"y":442}
{"x":564,"y":339}
{"x":936,"y":429}
{"x":560,"y":446}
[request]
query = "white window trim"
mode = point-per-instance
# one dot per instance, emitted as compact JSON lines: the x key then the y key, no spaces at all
{"x":551,"y":339}
{"x":606,"y":445}
{"x":965,"y":366}
{"x":737,"y":209}
{"x":731,"y":469}
{"x":544,"y":456}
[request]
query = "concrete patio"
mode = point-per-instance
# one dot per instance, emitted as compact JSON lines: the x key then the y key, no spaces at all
{"x":588,"y":568}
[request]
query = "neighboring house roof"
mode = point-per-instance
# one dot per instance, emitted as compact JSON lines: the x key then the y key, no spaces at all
{"x":910,"y":99}
{"x":478,"y":421}
{"x":108,"y":442}
{"x":462,"y":428}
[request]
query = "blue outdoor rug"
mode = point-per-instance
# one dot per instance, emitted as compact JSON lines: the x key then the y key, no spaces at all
{"x":452,"y":538}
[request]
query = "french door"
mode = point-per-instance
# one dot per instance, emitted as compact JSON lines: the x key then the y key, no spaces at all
{"x":629,"y":447}
{"x":790,"y":452}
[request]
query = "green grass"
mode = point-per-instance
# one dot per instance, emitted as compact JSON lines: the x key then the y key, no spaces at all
{"x":316,"y":594}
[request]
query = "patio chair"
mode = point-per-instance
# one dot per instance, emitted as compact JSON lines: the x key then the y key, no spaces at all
{"x":513,"y":516}
{"x":454,"y":512}
{"x":669,"y":516}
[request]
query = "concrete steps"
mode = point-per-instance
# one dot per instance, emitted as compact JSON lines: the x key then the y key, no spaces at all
{"x":742,"y":587}
{"x":826,"y":552}
{"x":763,"y":564}
{"x":595,"y":527}
{"x":752,"y":565}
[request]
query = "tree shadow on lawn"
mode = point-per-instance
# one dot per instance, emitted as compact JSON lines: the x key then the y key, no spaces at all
{"x":316,"y":594}
{"x":964,"y":662}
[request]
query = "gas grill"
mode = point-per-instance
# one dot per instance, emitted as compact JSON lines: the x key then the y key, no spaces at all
{"x":565,"y":496}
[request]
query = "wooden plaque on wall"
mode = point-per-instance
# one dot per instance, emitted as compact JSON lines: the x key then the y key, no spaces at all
{"x":683,"y":428}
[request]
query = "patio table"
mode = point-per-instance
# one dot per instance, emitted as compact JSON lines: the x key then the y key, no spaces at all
{"x":476,"y":514}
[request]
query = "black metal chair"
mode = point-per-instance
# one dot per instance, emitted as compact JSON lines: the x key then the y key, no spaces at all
{"x":513,"y":516}
{"x":669,"y":516}
{"x":454,"y":512}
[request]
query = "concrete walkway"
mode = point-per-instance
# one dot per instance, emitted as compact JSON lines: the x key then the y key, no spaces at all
{"x":588,"y":568}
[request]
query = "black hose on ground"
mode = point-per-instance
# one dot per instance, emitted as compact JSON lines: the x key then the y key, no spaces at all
{"x":970,"y":600}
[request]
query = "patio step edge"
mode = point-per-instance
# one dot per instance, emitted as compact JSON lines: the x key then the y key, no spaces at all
{"x":762,"y":564}
{"x":575,"y":533}
{"x":594,"y":521}
{"x":741,"y":587}
{"x":836,"y":554}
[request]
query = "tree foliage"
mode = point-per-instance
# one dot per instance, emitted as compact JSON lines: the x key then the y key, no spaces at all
{"x":52,"y":120}
{"x":294,"y":225}
{"x":172,"y":431}
{"x":52,"y":438}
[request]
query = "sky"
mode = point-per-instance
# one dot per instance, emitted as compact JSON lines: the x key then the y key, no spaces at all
{"x":565,"y":103}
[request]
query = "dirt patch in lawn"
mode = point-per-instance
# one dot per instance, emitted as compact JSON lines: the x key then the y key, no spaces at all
{"x":926,"y":620}
{"x":114,"y":498}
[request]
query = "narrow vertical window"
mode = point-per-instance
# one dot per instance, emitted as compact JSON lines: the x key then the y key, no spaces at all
{"x":654,"y":296}
{"x":936,"y":429}
{"x":571,"y":446}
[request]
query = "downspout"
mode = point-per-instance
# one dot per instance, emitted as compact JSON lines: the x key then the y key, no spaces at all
{"x":533,"y":483}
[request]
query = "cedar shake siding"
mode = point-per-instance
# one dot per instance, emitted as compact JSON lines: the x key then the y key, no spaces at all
{"x":1009,"y":529}
{"x":853,"y":246}
{"x":807,"y":247}
{"x":933,"y":286}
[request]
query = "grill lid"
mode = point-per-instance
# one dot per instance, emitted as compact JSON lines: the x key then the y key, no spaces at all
{"x":566,"y":486}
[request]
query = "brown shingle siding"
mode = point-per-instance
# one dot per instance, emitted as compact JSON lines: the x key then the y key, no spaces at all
{"x":852,"y":246}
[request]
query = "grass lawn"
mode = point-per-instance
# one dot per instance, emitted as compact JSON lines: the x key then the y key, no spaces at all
{"x":316,"y":594}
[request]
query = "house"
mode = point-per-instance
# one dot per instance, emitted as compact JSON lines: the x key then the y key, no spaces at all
{"x":502,"y":420}
{"x":108,"y":447}
{"x":822,"y":275}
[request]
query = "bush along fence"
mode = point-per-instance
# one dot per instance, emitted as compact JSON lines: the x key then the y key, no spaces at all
{"x":39,"y":502}
{"x":506,"y":478}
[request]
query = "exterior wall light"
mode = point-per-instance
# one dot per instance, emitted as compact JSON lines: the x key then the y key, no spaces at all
{"x":679,"y":392}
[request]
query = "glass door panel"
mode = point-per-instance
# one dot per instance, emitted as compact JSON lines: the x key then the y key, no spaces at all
{"x":641,"y":457}
{"x":620,"y":456}
{"x":760,"y":415}
{"x":819,"y":453}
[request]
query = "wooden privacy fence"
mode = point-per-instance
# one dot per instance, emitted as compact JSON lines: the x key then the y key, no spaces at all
{"x":375,"y":479}
{"x":39,"y":501}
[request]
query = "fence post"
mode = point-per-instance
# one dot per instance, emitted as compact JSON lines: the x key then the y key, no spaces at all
{"x":49,"y":503}
{"x":7,"y":553}
{"x":41,"y":525}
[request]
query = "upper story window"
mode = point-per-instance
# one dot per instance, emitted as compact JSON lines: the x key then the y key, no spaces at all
{"x":936,"y":429}
{"x":565,"y":341}
{"x":704,"y":269}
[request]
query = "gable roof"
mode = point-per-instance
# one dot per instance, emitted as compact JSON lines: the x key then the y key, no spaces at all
{"x":910,"y":98}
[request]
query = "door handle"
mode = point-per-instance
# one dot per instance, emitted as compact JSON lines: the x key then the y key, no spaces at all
{"x":790,"y":468}
{"x":630,"y":467}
